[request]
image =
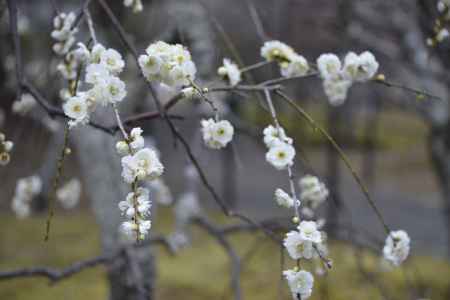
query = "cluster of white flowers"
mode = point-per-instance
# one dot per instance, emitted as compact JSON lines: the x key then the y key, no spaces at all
{"x":300,"y":243}
{"x":171,"y":65}
{"x":306,"y":242}
{"x":138,"y":164}
{"x":280,"y":153}
{"x":26,"y":189}
{"x":440,"y":32}
{"x":63,"y":32}
{"x":284,"y":199}
{"x":69,"y":194}
{"x":230,"y":71}
{"x":300,"y":283}
{"x":136,"y":5}
{"x":338,"y":77}
{"x":24,"y":105}
{"x":5,"y":149}
{"x":313,"y":192}
{"x":103,"y":67}
{"x":291,"y":64}
{"x":396,"y":248}
{"x":217,"y":134}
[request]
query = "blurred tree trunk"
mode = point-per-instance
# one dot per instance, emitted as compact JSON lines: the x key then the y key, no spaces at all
{"x":101,"y":170}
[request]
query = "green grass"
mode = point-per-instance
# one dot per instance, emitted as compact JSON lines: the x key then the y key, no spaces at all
{"x":198,"y":272}
{"x":397,"y":129}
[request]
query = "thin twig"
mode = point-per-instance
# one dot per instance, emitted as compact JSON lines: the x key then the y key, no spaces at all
{"x":341,"y":153}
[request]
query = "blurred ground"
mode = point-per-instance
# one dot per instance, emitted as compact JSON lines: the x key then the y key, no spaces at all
{"x":197,"y":272}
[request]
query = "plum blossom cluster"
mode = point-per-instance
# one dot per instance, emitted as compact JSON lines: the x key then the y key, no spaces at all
{"x":307,"y":242}
{"x":300,"y":283}
{"x":171,"y":65}
{"x":338,"y":77}
{"x":24,"y":105}
{"x":291,"y":63}
{"x":230,"y":71}
{"x":280,"y":152}
{"x":63,"y":32}
{"x":26,"y":189}
{"x":103,"y":67}
{"x":5,"y":148}
{"x":217,"y":134}
{"x":313,"y":192}
{"x":138,"y":164}
{"x":396,"y":248}
{"x":136,"y":5}
{"x":440,"y":32}
{"x":69,"y":194}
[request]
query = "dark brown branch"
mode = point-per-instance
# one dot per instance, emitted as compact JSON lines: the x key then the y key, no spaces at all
{"x":56,"y":275}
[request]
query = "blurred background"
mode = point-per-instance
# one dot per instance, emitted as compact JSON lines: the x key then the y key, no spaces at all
{"x":398,"y":143}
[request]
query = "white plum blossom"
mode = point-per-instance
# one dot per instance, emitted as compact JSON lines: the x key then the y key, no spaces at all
{"x":230,"y":71}
{"x":297,"y":246}
{"x":5,"y":147}
{"x":95,"y":73}
{"x":26,"y":189}
{"x":136,"y":202}
{"x":442,"y":34}
{"x":336,"y":89}
{"x":396,"y":248}
{"x":63,"y":33}
{"x":68,"y":67}
{"x":338,"y":78}
{"x":24,"y":105}
{"x":276,"y":51}
{"x":300,"y":283}
{"x":107,"y":90}
{"x":96,"y":53}
{"x":272,"y":135}
{"x":308,"y":231}
{"x":298,"y":66}
{"x":143,"y":165}
{"x":283,"y":199}
{"x":76,"y":108}
{"x":312,"y":191}
{"x":137,"y":141}
{"x":69,"y":194}
{"x":139,"y":228}
{"x":217,"y":135}
{"x":112,"y":61}
{"x":189,"y":92}
{"x":168,"y":64}
{"x":136,"y":5}
{"x":122,"y":148}
{"x":81,"y":53}
{"x":281,"y":155}
{"x":329,"y":65}
{"x":360,"y":67}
